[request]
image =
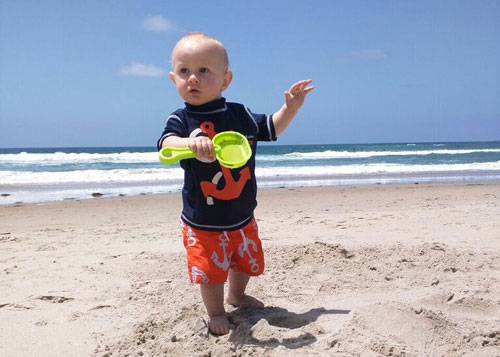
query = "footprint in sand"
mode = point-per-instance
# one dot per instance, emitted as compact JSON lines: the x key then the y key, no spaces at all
{"x":54,"y":299}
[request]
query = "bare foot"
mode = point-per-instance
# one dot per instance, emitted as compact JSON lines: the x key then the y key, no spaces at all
{"x":244,"y":300}
{"x":219,"y":325}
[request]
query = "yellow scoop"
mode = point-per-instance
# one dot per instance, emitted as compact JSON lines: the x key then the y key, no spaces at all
{"x":231,"y":148}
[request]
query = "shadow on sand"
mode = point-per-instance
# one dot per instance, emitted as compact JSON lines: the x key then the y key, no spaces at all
{"x":276,"y":330}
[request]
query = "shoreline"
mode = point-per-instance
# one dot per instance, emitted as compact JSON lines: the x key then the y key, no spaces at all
{"x":351,"y":270}
{"x":141,"y":189}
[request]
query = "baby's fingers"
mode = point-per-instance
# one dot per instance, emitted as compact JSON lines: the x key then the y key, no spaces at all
{"x":308,"y":89}
{"x":300,"y":85}
{"x":206,"y":148}
{"x":203,"y":147}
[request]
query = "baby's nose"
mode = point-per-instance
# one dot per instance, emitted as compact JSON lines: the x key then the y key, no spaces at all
{"x":193,"y":79}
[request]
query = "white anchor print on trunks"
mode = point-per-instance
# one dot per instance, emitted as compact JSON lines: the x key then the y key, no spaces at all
{"x":191,"y":241}
{"x":195,"y":273}
{"x":224,"y":264}
{"x":243,"y":249}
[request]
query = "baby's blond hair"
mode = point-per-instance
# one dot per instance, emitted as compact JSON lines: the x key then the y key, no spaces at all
{"x":204,"y":36}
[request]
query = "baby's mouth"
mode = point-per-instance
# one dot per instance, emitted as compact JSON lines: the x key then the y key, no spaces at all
{"x":193,"y":90}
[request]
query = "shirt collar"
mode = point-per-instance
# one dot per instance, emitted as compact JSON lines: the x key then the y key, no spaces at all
{"x":213,"y":106}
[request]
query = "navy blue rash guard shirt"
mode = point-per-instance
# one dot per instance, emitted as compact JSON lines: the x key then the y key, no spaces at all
{"x":216,"y":198}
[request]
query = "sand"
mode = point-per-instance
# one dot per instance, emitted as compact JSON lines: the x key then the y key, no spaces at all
{"x":382,"y":270}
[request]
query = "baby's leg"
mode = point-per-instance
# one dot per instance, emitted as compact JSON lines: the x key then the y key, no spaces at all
{"x":213,"y":298}
{"x":236,"y":295}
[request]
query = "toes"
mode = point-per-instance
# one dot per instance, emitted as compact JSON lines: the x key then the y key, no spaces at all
{"x":219,"y":325}
{"x":219,"y":330}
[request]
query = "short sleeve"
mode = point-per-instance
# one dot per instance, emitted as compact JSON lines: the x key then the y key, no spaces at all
{"x":174,"y":127}
{"x":265,"y":126}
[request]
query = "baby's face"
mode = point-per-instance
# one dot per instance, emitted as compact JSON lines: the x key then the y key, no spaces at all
{"x":199,"y":70}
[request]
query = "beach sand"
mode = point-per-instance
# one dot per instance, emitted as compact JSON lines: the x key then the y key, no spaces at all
{"x":381,"y":270}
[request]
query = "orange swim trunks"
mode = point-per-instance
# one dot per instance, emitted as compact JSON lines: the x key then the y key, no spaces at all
{"x":211,"y":254}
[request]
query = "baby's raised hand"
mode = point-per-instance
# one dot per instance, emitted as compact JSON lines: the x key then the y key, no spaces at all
{"x":295,"y":96}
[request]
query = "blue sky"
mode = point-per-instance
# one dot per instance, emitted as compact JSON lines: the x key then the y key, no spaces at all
{"x":95,"y":73}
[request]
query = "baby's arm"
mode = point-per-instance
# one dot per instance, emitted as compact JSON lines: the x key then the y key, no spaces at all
{"x":294,"y":98}
{"x":201,"y":145}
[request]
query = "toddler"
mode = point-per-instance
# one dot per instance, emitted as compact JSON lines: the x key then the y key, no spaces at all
{"x":219,"y":230}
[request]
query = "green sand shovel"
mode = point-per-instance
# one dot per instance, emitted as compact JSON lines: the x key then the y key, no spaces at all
{"x":232,"y":150}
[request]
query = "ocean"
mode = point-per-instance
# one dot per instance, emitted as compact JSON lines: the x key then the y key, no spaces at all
{"x":53,"y":174}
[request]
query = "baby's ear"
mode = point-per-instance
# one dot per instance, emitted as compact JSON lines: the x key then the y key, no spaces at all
{"x":228,"y":77}
{"x":172,"y":76}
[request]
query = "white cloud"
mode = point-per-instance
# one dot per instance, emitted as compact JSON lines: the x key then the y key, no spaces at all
{"x":141,"y":70}
{"x":371,"y":54}
{"x":157,"y":23}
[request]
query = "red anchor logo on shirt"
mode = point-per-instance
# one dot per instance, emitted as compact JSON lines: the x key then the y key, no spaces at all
{"x":232,"y":188}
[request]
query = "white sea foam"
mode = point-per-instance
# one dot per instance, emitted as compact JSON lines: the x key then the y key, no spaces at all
{"x":39,"y":177}
{"x":50,"y":186}
{"x":371,"y":169}
{"x":330,"y":154}
{"x":175,"y":174}
{"x":30,"y":194}
{"x":91,"y":176}
{"x":61,"y":158}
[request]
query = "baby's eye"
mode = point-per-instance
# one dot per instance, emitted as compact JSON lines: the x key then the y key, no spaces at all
{"x":183,"y":70}
{"x":203,"y":70}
